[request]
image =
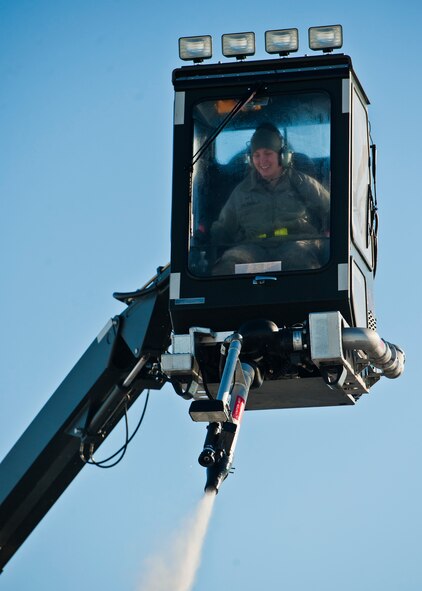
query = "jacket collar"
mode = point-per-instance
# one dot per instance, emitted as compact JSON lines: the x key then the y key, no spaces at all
{"x":255,"y":181}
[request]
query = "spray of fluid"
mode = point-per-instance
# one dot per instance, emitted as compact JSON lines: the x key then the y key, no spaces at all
{"x":175,"y":565}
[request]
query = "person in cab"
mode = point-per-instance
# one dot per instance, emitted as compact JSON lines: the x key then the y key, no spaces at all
{"x":276,"y":219}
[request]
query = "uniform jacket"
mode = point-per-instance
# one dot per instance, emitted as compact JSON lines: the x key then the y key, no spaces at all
{"x":297,"y":207}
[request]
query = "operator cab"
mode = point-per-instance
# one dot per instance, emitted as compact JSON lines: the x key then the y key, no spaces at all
{"x":322,"y":256}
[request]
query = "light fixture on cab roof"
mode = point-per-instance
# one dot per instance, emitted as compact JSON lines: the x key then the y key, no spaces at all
{"x":238,"y":45}
{"x":326,"y":38}
{"x":197,"y":48}
{"x":282,"y":41}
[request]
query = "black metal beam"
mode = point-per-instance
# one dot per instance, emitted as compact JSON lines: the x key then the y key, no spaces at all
{"x":46,"y":458}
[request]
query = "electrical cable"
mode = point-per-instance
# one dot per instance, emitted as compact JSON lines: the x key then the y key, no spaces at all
{"x":122,"y":450}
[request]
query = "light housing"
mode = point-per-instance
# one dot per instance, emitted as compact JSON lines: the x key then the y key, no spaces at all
{"x":196,"y":48}
{"x":325,"y":38}
{"x":238,"y":45}
{"x":282,"y":41}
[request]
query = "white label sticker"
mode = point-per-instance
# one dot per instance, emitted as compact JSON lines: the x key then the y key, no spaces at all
{"x":268,"y":267}
{"x":179,"y":108}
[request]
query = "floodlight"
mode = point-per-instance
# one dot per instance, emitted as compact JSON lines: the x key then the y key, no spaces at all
{"x":197,"y":48}
{"x":238,"y":45}
{"x":326,"y":38}
{"x":282,"y":41}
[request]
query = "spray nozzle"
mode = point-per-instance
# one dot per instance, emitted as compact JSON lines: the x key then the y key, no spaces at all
{"x":207,"y":457}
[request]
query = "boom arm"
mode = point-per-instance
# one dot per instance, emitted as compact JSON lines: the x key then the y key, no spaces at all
{"x":117,"y":367}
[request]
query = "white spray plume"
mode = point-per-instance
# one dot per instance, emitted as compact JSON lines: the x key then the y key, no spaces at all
{"x":174,"y":566}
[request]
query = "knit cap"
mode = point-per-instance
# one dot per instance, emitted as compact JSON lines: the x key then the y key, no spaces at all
{"x":267,"y":136}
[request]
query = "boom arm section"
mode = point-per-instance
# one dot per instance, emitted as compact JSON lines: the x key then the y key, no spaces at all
{"x":119,"y":364}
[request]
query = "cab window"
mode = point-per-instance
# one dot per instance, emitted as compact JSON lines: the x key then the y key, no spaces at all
{"x":260,"y":198}
{"x":360,"y":179}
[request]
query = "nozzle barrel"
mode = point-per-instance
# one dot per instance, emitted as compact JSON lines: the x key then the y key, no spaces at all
{"x":216,"y":474}
{"x":230,"y":367}
{"x":220,"y":442}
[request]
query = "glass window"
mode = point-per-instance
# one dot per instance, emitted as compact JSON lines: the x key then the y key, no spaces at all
{"x":360,"y":179}
{"x":261,"y":185}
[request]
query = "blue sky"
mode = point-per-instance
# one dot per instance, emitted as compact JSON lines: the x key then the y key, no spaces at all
{"x":321,"y":499}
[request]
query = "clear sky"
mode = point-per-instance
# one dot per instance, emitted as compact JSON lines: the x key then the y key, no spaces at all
{"x":321,"y":499}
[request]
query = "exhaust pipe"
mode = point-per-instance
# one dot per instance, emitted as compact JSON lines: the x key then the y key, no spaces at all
{"x":383,"y":355}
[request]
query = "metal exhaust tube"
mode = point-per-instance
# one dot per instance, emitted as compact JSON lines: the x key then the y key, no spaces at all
{"x":382,"y":354}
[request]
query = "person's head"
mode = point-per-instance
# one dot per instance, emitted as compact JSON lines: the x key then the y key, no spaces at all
{"x":266,"y":147}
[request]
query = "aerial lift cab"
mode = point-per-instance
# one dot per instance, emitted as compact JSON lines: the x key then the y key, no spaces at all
{"x":259,"y":332}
